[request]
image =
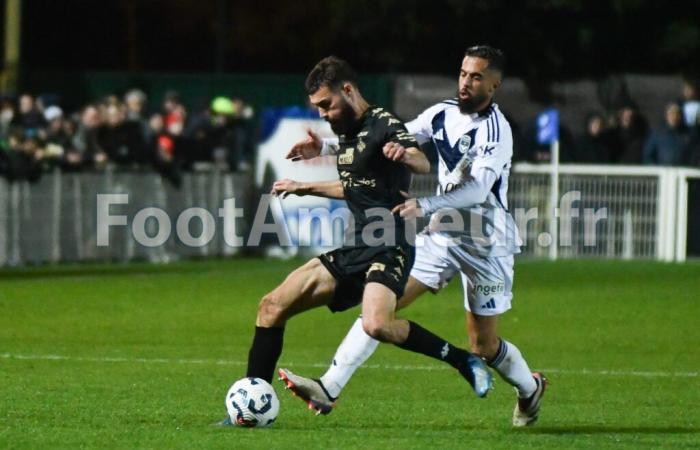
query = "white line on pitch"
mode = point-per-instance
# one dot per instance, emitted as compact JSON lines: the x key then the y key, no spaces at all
{"x":226,"y":362}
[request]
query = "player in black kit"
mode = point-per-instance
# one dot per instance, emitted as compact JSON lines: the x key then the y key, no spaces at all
{"x":375,"y":157}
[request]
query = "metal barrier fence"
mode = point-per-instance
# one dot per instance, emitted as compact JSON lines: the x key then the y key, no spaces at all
{"x":55,"y":219}
{"x":645,"y":209}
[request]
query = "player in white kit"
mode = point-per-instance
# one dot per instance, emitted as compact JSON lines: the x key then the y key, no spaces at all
{"x":474,"y":144}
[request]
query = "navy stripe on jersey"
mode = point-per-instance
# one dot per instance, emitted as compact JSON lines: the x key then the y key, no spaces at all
{"x":493,"y":130}
{"x":449,"y":154}
{"x":496,"y":189}
{"x":498,"y":127}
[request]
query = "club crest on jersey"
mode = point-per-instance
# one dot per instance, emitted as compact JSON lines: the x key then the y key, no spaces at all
{"x":348,"y":157}
{"x":464,"y":143}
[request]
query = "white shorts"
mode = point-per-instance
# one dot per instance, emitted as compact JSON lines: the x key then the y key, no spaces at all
{"x":487,"y":282}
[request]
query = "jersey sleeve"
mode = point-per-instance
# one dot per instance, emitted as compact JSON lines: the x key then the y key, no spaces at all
{"x":494,"y":142}
{"x":422,"y":126}
{"x":395,"y":131}
{"x":471,"y":193}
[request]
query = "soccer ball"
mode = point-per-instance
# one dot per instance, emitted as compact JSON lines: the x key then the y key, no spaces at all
{"x":252,"y":402}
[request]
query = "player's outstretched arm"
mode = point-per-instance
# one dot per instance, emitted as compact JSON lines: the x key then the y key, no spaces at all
{"x":471,"y":193}
{"x":329,"y":189}
{"x":306,"y":149}
{"x":412,"y":157}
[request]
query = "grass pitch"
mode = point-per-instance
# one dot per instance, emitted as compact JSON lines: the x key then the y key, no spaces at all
{"x":141,"y":356}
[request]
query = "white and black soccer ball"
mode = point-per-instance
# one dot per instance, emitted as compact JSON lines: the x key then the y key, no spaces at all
{"x":252,"y":402}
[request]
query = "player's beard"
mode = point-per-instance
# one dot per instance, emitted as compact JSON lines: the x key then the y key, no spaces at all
{"x":470,"y":105}
{"x":346,"y":121}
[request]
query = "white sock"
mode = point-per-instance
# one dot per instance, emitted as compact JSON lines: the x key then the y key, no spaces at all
{"x":512,"y":367}
{"x":351,"y":354}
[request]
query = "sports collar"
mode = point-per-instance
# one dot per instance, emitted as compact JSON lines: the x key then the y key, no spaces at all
{"x":485,"y":111}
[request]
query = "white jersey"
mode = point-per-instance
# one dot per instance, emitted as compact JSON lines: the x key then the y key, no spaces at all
{"x":467,"y":143}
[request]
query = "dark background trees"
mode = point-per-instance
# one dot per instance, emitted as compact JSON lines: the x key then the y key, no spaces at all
{"x":544,"y":40}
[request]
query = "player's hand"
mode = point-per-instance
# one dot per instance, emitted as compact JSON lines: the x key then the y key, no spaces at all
{"x":409,"y":209}
{"x":394,"y":152}
{"x":307,"y":149}
{"x":282,"y":188}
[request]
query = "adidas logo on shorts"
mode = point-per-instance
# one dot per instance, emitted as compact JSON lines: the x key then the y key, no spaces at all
{"x":491,"y":304}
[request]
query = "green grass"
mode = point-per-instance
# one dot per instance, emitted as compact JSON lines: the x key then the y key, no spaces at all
{"x":145,"y":355}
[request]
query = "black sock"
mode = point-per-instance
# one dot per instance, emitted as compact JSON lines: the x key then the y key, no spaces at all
{"x":264,"y":353}
{"x":420,"y":340}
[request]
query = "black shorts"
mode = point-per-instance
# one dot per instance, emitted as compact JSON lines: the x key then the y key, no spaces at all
{"x":353,"y":267}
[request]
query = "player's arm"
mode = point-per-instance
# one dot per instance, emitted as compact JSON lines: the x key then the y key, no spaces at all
{"x":329,"y":189}
{"x":401,"y":146}
{"x":493,"y":156}
{"x":308,"y":148}
{"x":472,"y":193}
{"x":412,"y":157}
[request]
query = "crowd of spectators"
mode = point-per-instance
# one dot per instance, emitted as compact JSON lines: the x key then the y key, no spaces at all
{"x":625,"y":136}
{"x":37,"y":135}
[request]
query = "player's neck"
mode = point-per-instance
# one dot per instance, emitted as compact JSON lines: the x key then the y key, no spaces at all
{"x":360,"y":108}
{"x":481,"y":109}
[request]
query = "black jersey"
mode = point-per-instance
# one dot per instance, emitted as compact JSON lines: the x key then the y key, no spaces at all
{"x":369,"y":179}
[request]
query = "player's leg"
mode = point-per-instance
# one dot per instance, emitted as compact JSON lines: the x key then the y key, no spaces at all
{"x":502,"y":356}
{"x":487,"y":284}
{"x":378,"y":306}
{"x":309,"y":286}
{"x":507,"y":360}
{"x":355,"y":349}
{"x":358,"y":346}
{"x":431,"y":270}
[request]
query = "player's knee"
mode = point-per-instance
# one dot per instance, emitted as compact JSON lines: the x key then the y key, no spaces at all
{"x":270,"y":310}
{"x":375,"y":328}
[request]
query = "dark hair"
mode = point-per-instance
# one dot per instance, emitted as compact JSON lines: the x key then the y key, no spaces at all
{"x":495,"y":57}
{"x":332,"y":72}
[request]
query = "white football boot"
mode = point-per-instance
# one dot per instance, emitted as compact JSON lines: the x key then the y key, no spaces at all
{"x":311,"y":391}
{"x":527,"y":410}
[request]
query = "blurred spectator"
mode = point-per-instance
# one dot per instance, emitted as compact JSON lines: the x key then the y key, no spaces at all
{"x":220,"y":134}
{"x":7,"y":115}
{"x":211,"y":133}
{"x":171,"y":102}
{"x":21,"y":158}
{"x":135,"y":101}
{"x":85,"y":139}
{"x":598,"y":143}
{"x":632,"y":132}
{"x":694,"y":152}
{"x":690,"y":103}
{"x":155,"y":127}
{"x":669,"y":145}
{"x":59,"y":139}
{"x":165,"y":149}
{"x":28,"y":116}
{"x":121,"y":141}
{"x":56,"y":139}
